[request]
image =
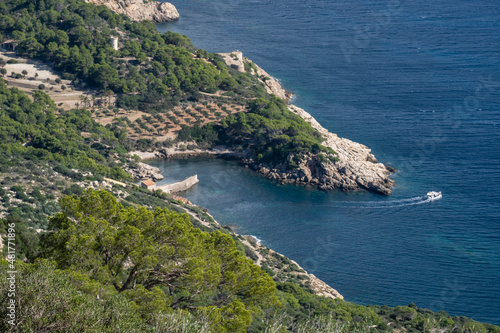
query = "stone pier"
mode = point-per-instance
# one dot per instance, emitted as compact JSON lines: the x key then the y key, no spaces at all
{"x":180,"y":186}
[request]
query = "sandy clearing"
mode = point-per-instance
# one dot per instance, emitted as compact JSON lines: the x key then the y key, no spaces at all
{"x":31,"y":66}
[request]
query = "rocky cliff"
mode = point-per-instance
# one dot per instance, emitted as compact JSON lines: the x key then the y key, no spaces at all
{"x":272,"y":85}
{"x":355,"y":167}
{"x":140,"y":10}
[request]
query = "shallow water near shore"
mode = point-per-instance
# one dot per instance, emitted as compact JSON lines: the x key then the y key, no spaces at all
{"x":417,"y":82}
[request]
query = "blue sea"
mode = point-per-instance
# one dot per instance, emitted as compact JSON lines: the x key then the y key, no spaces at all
{"x":416,"y":81}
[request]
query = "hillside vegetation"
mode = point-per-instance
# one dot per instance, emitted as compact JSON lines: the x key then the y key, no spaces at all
{"x":92,"y":256}
{"x":108,"y":268}
{"x":160,"y":74}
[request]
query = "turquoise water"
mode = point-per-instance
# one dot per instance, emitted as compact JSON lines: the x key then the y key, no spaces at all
{"x":417,"y":82}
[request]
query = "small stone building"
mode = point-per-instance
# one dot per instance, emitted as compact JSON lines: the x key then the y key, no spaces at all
{"x":148,"y":184}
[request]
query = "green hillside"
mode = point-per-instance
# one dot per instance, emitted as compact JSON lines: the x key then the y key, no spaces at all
{"x":93,"y":256}
{"x":154,"y":73}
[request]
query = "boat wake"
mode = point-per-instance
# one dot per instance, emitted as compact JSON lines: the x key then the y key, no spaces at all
{"x":400,"y":203}
{"x":387,"y":204}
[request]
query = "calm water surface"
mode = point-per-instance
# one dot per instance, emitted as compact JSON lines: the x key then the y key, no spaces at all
{"x":417,"y":82}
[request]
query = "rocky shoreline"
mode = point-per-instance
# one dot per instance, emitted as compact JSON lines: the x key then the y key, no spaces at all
{"x":140,"y":10}
{"x":355,"y":168}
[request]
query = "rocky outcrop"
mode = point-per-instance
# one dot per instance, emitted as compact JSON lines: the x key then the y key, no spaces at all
{"x":144,"y":171}
{"x":140,"y":10}
{"x":320,"y":288}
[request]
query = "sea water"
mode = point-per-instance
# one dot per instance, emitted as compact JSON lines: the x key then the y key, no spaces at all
{"x":416,"y":81}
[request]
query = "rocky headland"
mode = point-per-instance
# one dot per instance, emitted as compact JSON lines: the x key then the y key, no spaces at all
{"x":140,"y":10}
{"x":354,"y":167}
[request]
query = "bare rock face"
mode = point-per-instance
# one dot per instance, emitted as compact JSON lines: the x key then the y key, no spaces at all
{"x":144,"y":171}
{"x":320,"y":288}
{"x":139,"y":10}
{"x":272,"y":85}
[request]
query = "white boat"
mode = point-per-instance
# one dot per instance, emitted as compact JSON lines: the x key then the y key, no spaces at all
{"x":433,"y":195}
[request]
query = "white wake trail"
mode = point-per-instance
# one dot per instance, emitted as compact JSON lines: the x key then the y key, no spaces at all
{"x":396,"y":204}
{"x":384,"y":204}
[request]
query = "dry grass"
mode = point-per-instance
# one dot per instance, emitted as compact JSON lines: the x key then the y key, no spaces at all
{"x":38,"y":73}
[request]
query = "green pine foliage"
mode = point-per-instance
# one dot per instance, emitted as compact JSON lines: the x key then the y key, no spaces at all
{"x":31,"y":130}
{"x":151,"y":71}
{"x":53,"y":300}
{"x":268,"y":131}
{"x":106,"y":267}
{"x":157,"y":259}
{"x":272,"y":133}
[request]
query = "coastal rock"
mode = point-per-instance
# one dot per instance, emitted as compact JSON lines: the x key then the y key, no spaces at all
{"x":144,"y":171}
{"x":353,"y":168}
{"x":272,"y":85}
{"x":140,"y":10}
{"x":320,"y":288}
